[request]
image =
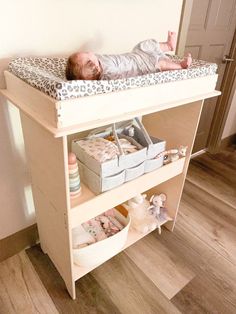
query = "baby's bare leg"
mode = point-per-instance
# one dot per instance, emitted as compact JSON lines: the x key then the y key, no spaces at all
{"x":165,"y":64}
{"x":170,"y":44}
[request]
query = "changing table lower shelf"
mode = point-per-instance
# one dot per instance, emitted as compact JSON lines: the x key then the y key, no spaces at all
{"x":133,"y":236}
{"x":88,"y":205}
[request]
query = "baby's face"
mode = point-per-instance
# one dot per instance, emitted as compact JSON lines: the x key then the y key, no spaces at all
{"x":85,"y":57}
{"x":89,"y":63}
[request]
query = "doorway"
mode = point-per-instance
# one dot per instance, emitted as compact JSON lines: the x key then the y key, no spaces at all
{"x":207,"y":31}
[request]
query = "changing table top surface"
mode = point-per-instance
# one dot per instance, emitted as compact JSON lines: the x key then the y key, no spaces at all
{"x":48,"y":75}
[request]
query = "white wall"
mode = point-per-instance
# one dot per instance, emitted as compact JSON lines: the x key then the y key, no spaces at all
{"x":58,"y":27}
{"x":55,"y":26}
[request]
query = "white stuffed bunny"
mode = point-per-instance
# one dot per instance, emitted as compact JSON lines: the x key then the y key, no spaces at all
{"x":141,"y":219}
{"x":157,"y":208}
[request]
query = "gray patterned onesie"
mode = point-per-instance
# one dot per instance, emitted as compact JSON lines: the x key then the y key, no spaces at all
{"x":142,"y":60}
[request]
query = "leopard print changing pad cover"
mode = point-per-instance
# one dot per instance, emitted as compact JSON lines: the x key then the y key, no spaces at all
{"x":48,"y":75}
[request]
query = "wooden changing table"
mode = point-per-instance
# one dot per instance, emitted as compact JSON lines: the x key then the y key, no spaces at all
{"x":170,"y":111}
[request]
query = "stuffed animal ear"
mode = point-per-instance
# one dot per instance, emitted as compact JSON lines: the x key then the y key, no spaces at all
{"x":152,"y":197}
{"x":163,"y":197}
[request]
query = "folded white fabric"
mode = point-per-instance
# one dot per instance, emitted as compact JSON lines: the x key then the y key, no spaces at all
{"x":127,"y":146}
{"x":81,"y":238}
{"x":100,"y":148}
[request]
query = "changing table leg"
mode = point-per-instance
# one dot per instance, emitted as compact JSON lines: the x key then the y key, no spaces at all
{"x":71,"y":289}
{"x":48,"y":159}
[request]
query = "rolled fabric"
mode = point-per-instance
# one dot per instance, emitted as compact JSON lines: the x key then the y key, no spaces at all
{"x":81,"y":238}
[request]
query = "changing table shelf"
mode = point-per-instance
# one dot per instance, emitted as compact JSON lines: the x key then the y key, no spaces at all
{"x":133,"y":236}
{"x":170,"y":111}
{"x":88,"y":205}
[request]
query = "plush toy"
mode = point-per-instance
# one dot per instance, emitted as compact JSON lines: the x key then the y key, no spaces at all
{"x":141,"y":219}
{"x":158,"y":209}
{"x":157,"y":201}
{"x":182,"y":150}
{"x":173,"y":154}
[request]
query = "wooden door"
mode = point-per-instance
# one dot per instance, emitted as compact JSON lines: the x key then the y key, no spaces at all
{"x":209,"y":37}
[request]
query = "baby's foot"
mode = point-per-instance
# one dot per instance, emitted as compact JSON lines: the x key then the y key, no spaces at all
{"x":171,"y":40}
{"x":187,"y":61}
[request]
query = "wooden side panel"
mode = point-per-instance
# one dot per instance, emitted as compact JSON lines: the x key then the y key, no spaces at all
{"x":47,"y":158}
{"x":36,"y":102}
{"x":178,"y":127}
{"x":3,"y":67}
{"x":86,"y":109}
{"x":122,"y":116}
{"x":75,"y":115}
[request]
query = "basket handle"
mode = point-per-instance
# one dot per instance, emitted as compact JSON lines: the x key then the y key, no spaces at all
{"x":99,"y":130}
{"x":117,"y":139}
{"x":144,"y":131}
{"x":112,"y":130}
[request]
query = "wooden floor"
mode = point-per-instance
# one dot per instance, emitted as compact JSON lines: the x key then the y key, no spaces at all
{"x":192,"y":270}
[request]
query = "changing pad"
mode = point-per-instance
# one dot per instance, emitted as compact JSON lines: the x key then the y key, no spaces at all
{"x":48,"y":75}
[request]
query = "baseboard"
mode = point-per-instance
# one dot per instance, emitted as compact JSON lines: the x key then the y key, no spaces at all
{"x":200,"y":152}
{"x":228,"y":141}
{"x":18,"y":241}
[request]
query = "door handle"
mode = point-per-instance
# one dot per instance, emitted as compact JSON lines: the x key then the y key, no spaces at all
{"x":226,"y":59}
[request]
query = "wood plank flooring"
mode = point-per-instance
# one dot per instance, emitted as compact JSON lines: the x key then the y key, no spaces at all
{"x":168,"y":271}
{"x":21,"y":290}
{"x":215,"y":174}
{"x":192,"y":270}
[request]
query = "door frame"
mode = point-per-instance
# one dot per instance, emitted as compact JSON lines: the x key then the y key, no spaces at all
{"x":223,"y":103}
{"x":183,"y":26}
{"x":227,"y":87}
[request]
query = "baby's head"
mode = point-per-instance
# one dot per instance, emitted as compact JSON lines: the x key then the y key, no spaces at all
{"x":83,"y":66}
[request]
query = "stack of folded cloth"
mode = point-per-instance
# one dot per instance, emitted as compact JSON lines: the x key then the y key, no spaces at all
{"x":96,"y":229}
{"x":104,"y":149}
{"x":99,"y":148}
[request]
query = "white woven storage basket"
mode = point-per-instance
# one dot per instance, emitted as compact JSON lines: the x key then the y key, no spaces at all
{"x":101,"y":251}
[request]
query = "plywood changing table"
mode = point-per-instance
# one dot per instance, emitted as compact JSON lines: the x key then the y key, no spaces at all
{"x":170,"y":110}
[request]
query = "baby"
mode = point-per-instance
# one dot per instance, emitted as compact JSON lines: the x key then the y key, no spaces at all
{"x":146,"y":57}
